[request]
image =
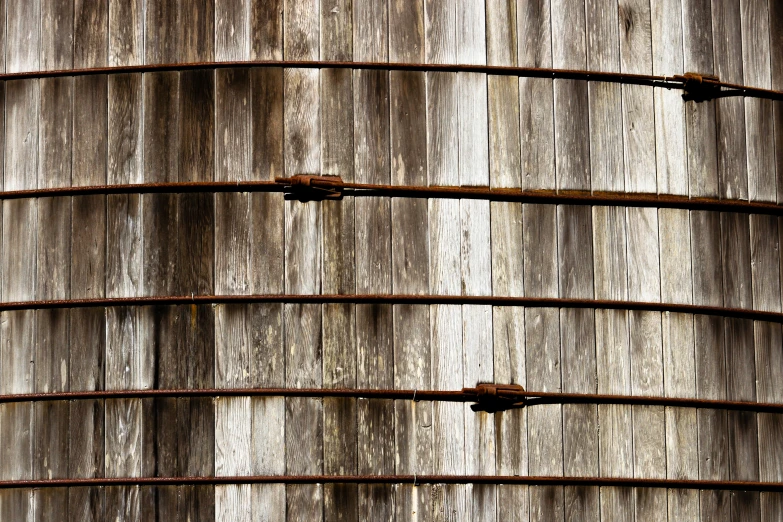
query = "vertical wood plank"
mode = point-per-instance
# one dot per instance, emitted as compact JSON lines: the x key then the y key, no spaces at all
{"x":22,"y":101}
{"x":125,"y":346}
{"x":667,"y":58}
{"x":341,"y":501}
{"x":233,"y":420}
{"x":605,"y":99}
{"x":730,"y":114}
{"x":90,"y":33}
{"x":682,"y":458}
{"x":57,"y":21}
{"x":50,"y":451}
{"x":88,"y":279}
{"x":776,"y":47}
{"x":710,"y":361}
{"x":304,"y":417}
{"x":536,"y":96}
{"x":23,"y":35}
{"x":572,"y":145}
{"x":769,"y":366}
{"x":126,"y":32}
{"x":196,"y":34}
{"x":638,"y":106}
{"x":759,"y":123}
{"x":410,"y":252}
{"x":700,"y":133}
{"x":232,"y":30}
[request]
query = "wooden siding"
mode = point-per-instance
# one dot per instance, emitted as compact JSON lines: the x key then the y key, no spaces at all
{"x":417,"y":128}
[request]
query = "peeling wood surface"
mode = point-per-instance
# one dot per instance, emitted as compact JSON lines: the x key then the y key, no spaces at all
{"x":380,"y":127}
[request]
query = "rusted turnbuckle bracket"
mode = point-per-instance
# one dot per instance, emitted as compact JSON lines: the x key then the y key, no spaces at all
{"x":699,"y":87}
{"x":311,"y":187}
{"x":496,"y":397}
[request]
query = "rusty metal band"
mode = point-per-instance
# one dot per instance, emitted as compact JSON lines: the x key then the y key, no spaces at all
{"x":531,"y":398}
{"x":668,"y":82}
{"x":733,"y":485}
{"x":397,"y":299}
{"x":543,"y":197}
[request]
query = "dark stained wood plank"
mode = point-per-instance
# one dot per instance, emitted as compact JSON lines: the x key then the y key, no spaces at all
{"x":700,"y":117}
{"x":536,"y":96}
{"x":730,"y":114}
{"x":126,"y":32}
{"x":57,"y":24}
{"x":90,"y":33}
{"x":196,"y":34}
{"x":667,"y":59}
{"x":637,"y":100}
{"x":341,"y":501}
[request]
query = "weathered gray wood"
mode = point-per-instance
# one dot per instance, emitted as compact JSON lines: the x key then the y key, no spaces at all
{"x":196,"y":34}
{"x":572,"y":144}
{"x":88,"y":279}
{"x":667,"y":59}
{"x":126,"y":348}
{"x":162,"y":29}
{"x":638,"y":109}
{"x":776,"y":47}
{"x":769,"y":368}
{"x":338,"y":276}
{"x":536,"y":96}
{"x":699,"y":117}
{"x":18,"y":282}
{"x":266,"y":30}
{"x":730,"y":114}
{"x":758,"y":113}
{"x":56,"y":28}
{"x":90,"y":33}
{"x":126,"y":32}
{"x":765,"y":262}
{"x":160,"y":244}
{"x":51,"y":420}
{"x":232,"y":29}
{"x":605,"y":99}
{"x":304,"y":417}
{"x":23,"y":35}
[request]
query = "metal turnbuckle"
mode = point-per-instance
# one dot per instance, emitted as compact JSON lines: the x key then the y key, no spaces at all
{"x":311,"y":187}
{"x":699,"y":87}
{"x":492,"y":398}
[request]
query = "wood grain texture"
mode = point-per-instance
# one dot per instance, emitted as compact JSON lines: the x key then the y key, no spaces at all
{"x":232,"y":29}
{"x":341,"y":455}
{"x":768,"y":364}
{"x":196,"y":34}
{"x":51,"y":420}
{"x":126,"y":32}
{"x":23,"y":35}
{"x":776,"y":47}
{"x":667,"y":58}
{"x":758,"y":113}
{"x":730,"y":114}
{"x":700,"y":117}
{"x":90,"y":33}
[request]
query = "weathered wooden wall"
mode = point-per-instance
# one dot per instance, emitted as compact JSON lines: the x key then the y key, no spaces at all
{"x":415,"y":128}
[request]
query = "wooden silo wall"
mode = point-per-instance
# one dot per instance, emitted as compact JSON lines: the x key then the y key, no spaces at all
{"x":412,"y":128}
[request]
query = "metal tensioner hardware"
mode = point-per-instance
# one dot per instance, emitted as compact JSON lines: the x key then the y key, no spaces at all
{"x":492,"y":398}
{"x":311,"y":187}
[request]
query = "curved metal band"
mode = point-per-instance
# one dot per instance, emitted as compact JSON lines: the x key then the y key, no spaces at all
{"x":543,"y":197}
{"x":531,"y":398}
{"x":401,"y":479}
{"x":538,"y":302}
{"x":668,"y":82}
